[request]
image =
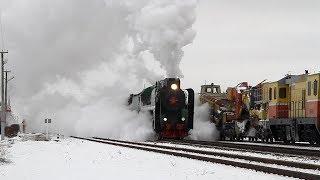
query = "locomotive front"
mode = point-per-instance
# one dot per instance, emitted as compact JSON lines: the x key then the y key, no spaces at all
{"x":173,"y":109}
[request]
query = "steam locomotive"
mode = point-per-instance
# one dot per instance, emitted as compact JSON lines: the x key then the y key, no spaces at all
{"x":171,"y":107}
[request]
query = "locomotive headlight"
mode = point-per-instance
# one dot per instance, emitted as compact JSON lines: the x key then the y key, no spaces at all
{"x":174,"y":87}
{"x":165,"y":119}
{"x":183,"y":119}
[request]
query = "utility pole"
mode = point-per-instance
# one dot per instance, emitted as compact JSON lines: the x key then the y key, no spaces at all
{"x":6,"y":88}
{"x":3,"y":111}
{"x":6,"y":93}
{"x":47,"y":122}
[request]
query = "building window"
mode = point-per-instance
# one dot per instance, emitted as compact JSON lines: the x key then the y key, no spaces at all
{"x":309,"y":88}
{"x":315,"y":87}
{"x":215,"y":90}
{"x":270,"y":94}
{"x":283,"y":93}
{"x":209,"y":90}
{"x":275,"y":93}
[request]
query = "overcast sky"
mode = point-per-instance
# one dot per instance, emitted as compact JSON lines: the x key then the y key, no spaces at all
{"x":247,"y":40}
{"x":252,"y":40}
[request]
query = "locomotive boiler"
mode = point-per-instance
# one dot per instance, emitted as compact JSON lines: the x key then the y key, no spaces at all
{"x":171,"y":107}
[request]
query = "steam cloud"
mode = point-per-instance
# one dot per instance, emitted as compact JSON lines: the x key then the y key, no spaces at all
{"x":77,"y":61}
{"x":164,"y":28}
{"x":203,"y":129}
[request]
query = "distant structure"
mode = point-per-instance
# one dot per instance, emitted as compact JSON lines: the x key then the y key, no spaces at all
{"x":23,"y":124}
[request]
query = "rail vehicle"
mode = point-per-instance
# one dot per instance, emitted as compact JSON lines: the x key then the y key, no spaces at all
{"x":171,"y":108}
{"x":229,"y":110}
{"x":286,"y":110}
{"x":12,"y":130}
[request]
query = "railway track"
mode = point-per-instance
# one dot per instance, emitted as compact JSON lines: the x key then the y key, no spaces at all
{"x":313,"y":153}
{"x":273,"y":166}
{"x":297,"y":144}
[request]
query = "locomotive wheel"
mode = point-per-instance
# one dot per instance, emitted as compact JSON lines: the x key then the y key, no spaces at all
{"x":159,"y":137}
{"x":222,"y":136}
{"x":238,"y":138}
{"x":285,"y":141}
{"x":311,"y":141}
{"x":317,"y":138}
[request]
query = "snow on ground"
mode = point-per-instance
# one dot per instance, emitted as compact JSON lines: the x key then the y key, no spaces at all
{"x":76,"y":159}
{"x":2,"y":154}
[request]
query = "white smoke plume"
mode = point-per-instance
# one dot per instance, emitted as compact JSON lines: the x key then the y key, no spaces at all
{"x":164,"y":28}
{"x":77,"y":61}
{"x":203,"y":129}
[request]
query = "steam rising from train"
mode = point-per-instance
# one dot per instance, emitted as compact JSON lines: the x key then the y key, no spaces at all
{"x":163,"y":28}
{"x":75,"y":61}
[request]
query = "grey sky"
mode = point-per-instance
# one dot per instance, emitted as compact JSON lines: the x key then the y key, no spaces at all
{"x":252,"y":40}
{"x":247,"y":40}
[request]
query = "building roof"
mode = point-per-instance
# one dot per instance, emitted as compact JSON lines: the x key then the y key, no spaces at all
{"x":291,"y":79}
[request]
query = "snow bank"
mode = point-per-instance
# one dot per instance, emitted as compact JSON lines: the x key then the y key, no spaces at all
{"x":33,"y":137}
{"x":3,"y":152}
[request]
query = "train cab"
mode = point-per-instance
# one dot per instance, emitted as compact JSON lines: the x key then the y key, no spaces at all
{"x":312,"y":99}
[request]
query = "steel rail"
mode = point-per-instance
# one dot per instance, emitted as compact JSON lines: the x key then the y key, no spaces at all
{"x":261,"y":168}
{"x":297,"y":144}
{"x":228,"y":155}
{"x":255,"y":147}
